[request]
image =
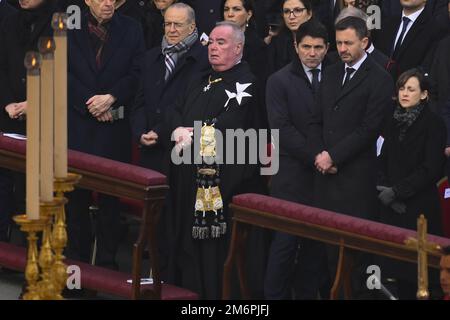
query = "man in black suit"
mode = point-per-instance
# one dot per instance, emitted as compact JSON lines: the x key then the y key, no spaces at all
{"x":410,"y":39}
{"x":378,"y":56}
{"x":290,"y":99}
{"x":104,"y":68}
{"x":354,"y":99}
{"x":161,"y":82}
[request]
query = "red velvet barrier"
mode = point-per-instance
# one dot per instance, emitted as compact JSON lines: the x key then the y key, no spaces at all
{"x":330,"y":219}
{"x":91,"y":163}
{"x":93,"y":277}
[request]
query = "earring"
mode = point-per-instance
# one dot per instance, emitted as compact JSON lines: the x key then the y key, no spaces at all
{"x":246,"y":24}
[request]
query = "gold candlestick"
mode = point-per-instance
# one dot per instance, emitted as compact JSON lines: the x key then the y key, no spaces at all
{"x":47,"y":288}
{"x":31,"y":227}
{"x":59,"y":236}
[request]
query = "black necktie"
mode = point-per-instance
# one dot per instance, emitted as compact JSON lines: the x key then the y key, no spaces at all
{"x":406,"y":22}
{"x":315,"y":79}
{"x":348,"y":73}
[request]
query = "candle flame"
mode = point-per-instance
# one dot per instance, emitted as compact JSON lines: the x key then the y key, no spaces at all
{"x":33,"y":62}
{"x":49,"y":44}
{"x":61,"y":24}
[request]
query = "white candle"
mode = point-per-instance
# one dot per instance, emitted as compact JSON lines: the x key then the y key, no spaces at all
{"x":59,"y":22}
{"x":46,"y":48}
{"x":32,"y":63}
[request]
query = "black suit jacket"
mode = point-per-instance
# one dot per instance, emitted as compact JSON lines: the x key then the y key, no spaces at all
{"x":156,"y":96}
{"x":207,"y":13}
{"x":417,"y":48}
{"x":5,"y":10}
{"x":346,"y":122}
{"x":290,"y":101}
{"x":440,"y":75}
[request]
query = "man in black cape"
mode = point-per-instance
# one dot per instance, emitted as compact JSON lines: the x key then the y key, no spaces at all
{"x":223,"y":99}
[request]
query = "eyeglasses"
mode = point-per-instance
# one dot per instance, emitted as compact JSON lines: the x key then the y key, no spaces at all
{"x":176,"y":25}
{"x":296,"y":12}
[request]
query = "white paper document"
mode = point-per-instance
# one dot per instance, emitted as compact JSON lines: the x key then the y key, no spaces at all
{"x":447,"y":193}
{"x":15,"y":136}
{"x":143,"y":281}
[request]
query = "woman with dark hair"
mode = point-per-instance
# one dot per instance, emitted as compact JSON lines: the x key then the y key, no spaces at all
{"x":412,"y":162}
{"x":282,"y":46}
{"x":241,"y":12}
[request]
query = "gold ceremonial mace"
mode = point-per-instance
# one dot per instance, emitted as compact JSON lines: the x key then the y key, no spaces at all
{"x":423,"y":247}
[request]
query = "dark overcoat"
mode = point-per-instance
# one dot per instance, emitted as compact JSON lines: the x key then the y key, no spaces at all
{"x":118,"y":76}
{"x":346,"y":122}
{"x":157,"y":95}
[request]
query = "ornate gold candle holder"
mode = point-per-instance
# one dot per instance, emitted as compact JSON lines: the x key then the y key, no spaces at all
{"x":47,"y":287}
{"x":59,"y":235}
{"x":31,"y":227}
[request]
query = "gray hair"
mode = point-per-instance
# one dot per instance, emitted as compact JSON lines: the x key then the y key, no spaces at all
{"x":238,"y":34}
{"x":351,"y":12}
{"x":190,"y":11}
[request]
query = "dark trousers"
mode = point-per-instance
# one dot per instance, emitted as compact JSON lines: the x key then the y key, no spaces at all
{"x":289,"y":275}
{"x":107,"y":228}
{"x":12,"y":198}
{"x":6,"y":202}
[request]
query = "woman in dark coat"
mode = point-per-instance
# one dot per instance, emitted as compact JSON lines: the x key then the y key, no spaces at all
{"x":154,"y":31}
{"x":412,"y":162}
{"x":241,"y":12}
{"x":282,"y":46}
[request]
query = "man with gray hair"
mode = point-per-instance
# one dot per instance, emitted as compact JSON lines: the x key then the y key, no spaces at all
{"x":167,"y":71}
{"x":197,"y":206}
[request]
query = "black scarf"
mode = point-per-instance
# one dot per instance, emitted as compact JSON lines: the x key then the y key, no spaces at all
{"x":405,"y":117}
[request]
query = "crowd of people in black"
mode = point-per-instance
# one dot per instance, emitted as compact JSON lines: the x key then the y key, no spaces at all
{"x":310,"y":69}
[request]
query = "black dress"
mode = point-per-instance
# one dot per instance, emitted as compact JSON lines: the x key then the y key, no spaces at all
{"x":281,"y":51}
{"x":198,"y":264}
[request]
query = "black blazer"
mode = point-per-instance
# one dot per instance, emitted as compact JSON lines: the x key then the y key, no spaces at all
{"x":156,"y":96}
{"x":5,"y":10}
{"x":440,"y":75}
{"x":417,"y":48}
{"x":290,"y":101}
{"x":207,"y":13}
{"x":346,"y":122}
{"x":281,"y":51}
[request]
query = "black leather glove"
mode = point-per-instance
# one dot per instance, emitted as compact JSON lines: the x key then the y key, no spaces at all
{"x":398,"y":206}
{"x":386,"y":195}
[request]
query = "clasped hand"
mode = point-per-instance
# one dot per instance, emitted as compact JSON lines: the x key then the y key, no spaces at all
{"x":99,"y":106}
{"x":324,"y":163}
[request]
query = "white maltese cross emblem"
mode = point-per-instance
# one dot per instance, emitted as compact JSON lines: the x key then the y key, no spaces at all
{"x":239,"y":94}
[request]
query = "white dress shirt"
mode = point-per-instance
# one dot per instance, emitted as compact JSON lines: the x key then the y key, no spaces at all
{"x":356,"y":66}
{"x":413,"y":17}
